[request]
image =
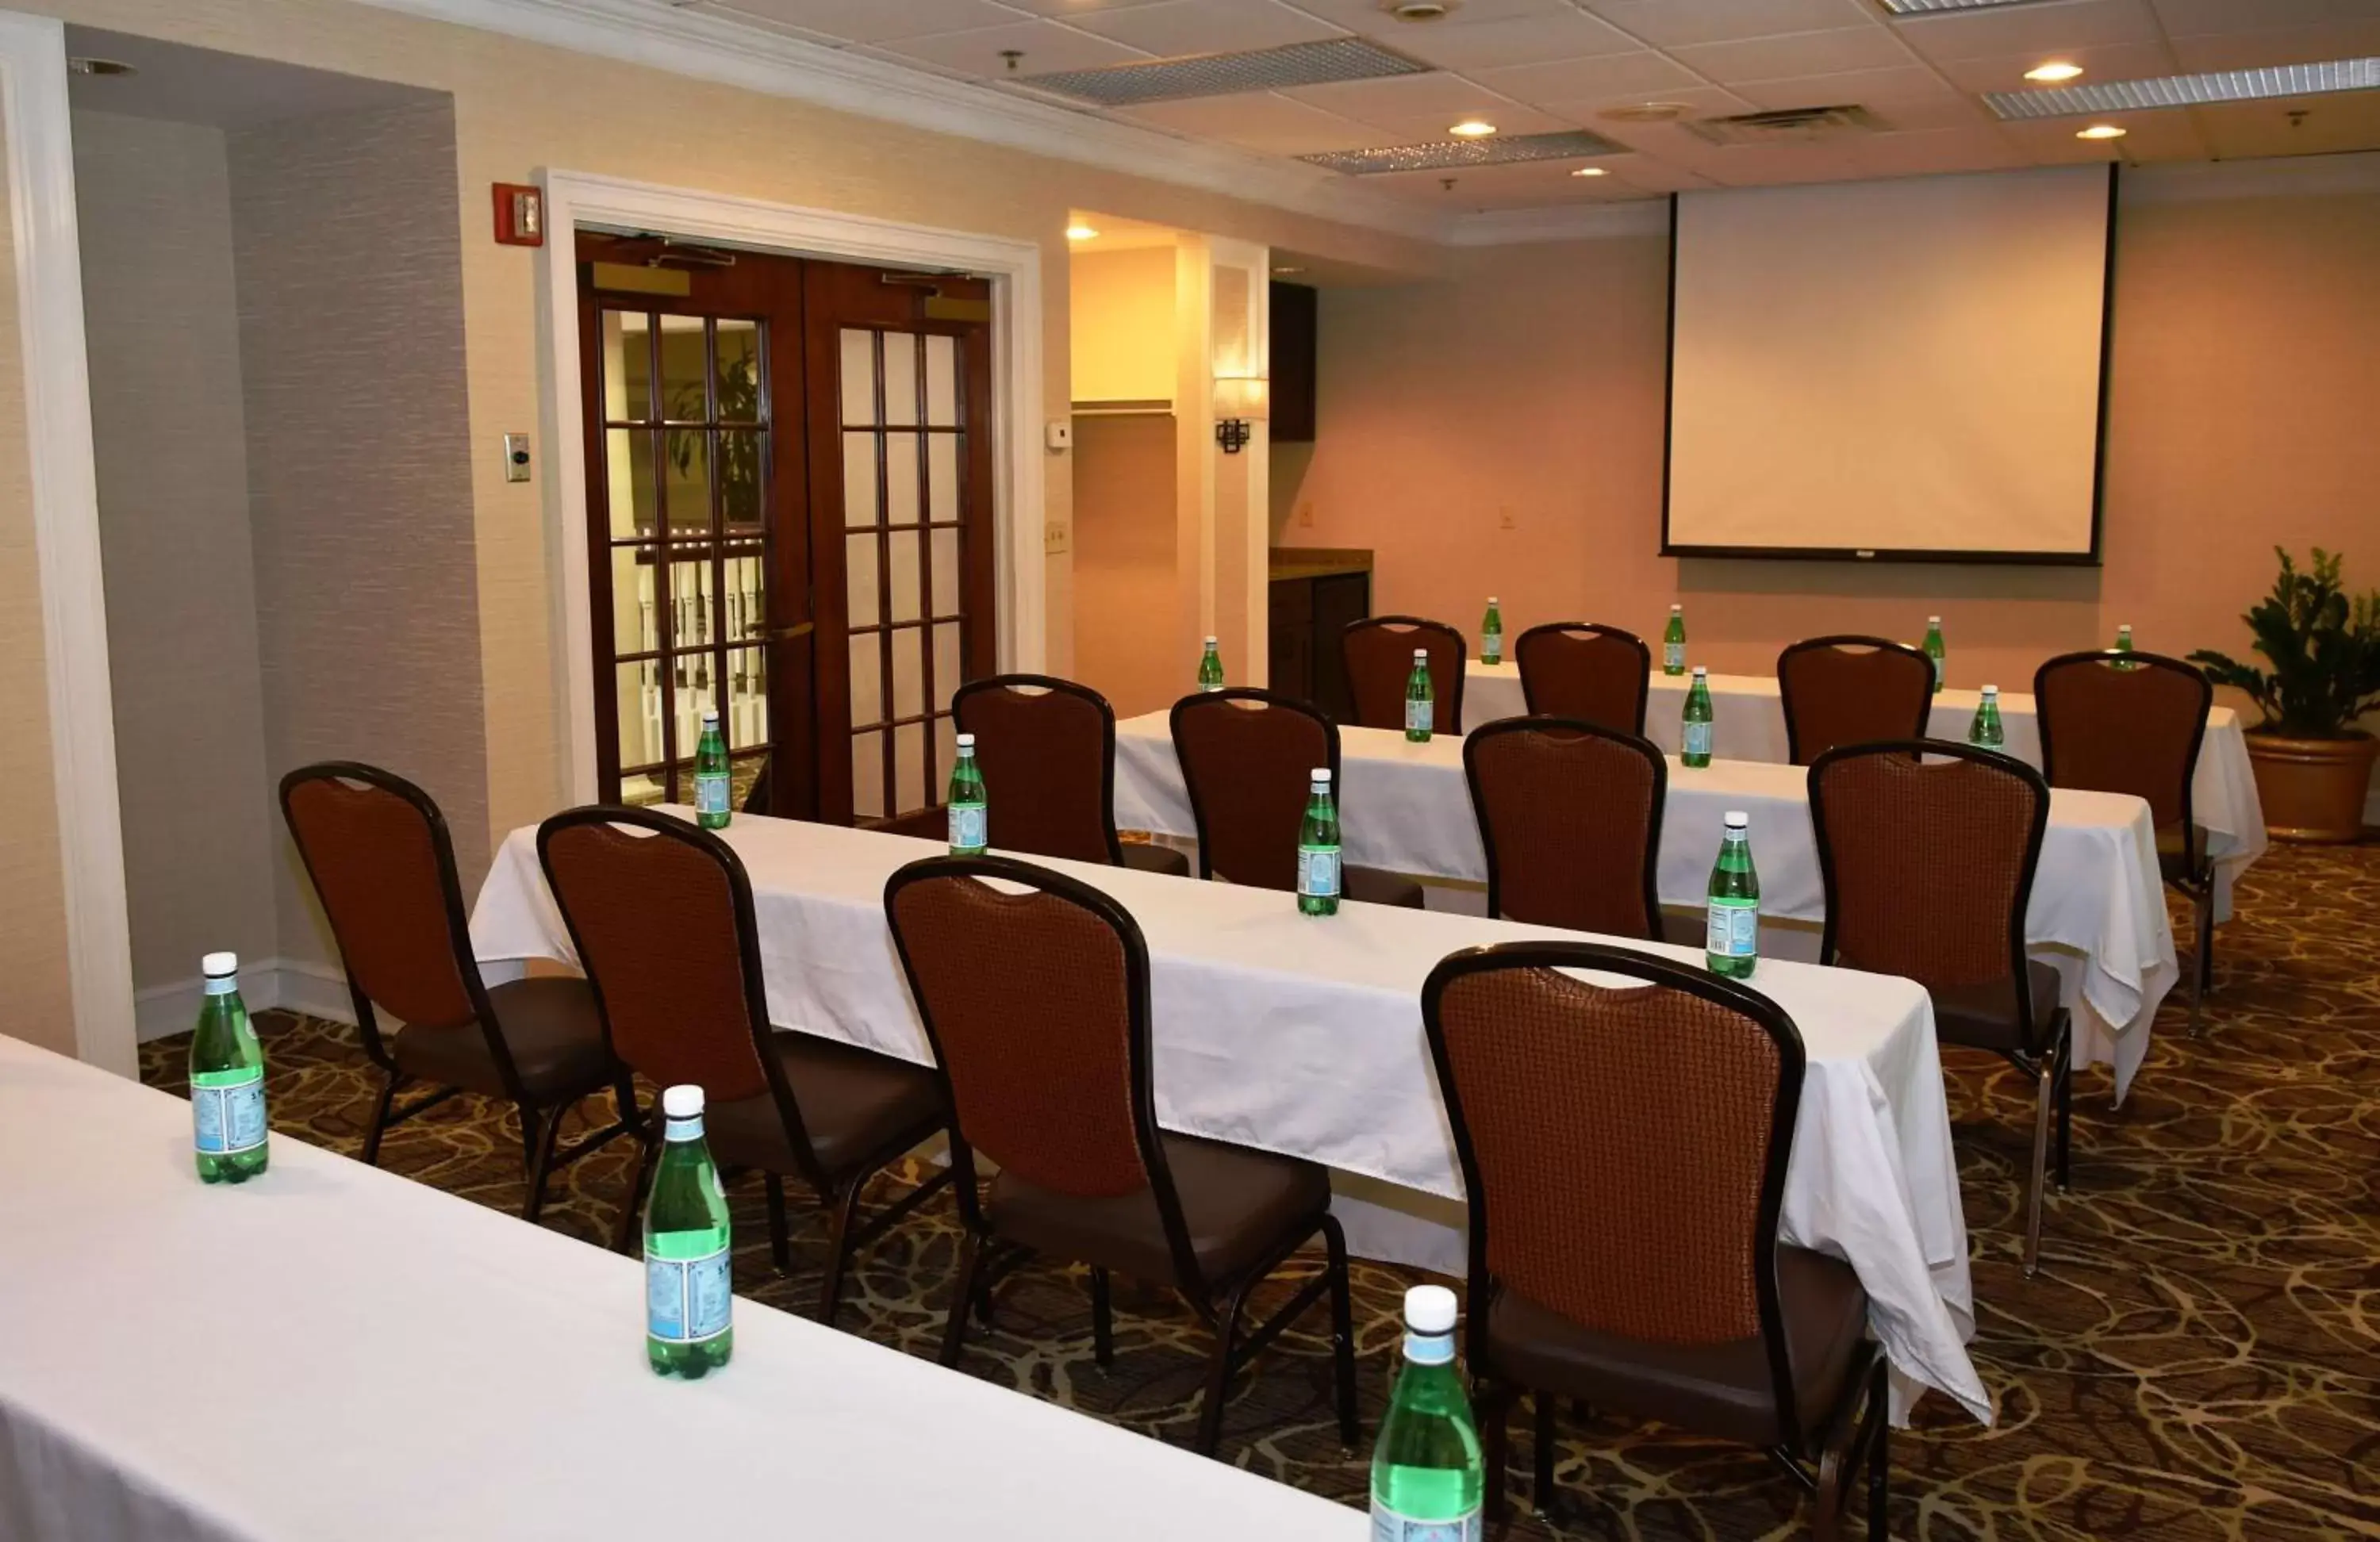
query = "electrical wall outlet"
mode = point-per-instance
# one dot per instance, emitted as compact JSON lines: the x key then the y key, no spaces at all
{"x":1056,"y":538}
{"x":1305,"y":513}
{"x":1504,"y":519}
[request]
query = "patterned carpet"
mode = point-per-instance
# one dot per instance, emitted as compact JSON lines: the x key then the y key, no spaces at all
{"x":2199,"y":1358}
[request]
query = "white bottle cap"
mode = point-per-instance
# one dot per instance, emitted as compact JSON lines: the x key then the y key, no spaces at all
{"x":1491,"y":600}
{"x":1991,"y":690}
{"x":1421,"y":654}
{"x":710,"y":714}
{"x":1322,"y":773}
{"x":1210,"y":642}
{"x":967,"y":741}
{"x":218,"y":966}
{"x":1737,"y":819}
{"x":1677,"y":610}
{"x":1701,"y":670}
{"x":1430,"y":1309}
{"x":1933,"y":621}
{"x":683,"y":1101}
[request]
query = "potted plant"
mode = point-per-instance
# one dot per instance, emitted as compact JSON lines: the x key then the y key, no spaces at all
{"x":2312,"y":763}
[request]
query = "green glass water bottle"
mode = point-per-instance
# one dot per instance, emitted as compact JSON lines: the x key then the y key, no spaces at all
{"x":1491,"y":634}
{"x":1429,"y":1479}
{"x":2124,"y":645}
{"x":1211,"y":668}
{"x":1421,"y":703}
{"x":227,"y":1127}
{"x":1695,"y":744}
{"x":1984,"y":732}
{"x":689,"y":1287}
{"x":970,"y":821}
{"x":1731,"y":929}
{"x":710,"y":811}
{"x":1934,"y":647}
{"x":1673,"y":643}
{"x":1317,"y":850}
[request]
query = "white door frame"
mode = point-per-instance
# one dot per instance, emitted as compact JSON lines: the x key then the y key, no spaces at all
{"x":576,"y":199}
{"x":60,"y":462}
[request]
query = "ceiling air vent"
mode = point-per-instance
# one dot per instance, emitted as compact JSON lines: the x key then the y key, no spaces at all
{"x":1785,"y":126}
{"x":2186,"y":91}
{"x":1259,"y":69}
{"x":1442,"y":154}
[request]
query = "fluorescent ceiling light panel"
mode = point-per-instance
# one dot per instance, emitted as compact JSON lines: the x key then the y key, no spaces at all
{"x":1259,"y":69}
{"x":1445,"y":155}
{"x":2187,"y":90}
{"x":1923,"y":7}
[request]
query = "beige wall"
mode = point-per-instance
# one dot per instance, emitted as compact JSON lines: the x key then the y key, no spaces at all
{"x":2246,"y":363}
{"x":1123,"y":325}
{"x":1127,"y":586}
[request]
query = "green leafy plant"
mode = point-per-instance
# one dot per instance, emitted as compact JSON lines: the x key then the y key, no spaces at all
{"x":2324,"y":646}
{"x":739,"y":452}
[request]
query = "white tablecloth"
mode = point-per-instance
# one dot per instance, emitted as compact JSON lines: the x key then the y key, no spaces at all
{"x":2097,"y":913}
{"x":1303,"y":1036}
{"x":1748,"y":724}
{"x":330,"y":1351}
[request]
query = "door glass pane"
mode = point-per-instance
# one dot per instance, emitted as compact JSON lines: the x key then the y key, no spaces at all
{"x":639,"y":687}
{"x":628,"y":367}
{"x":909,"y":673}
{"x":858,"y":378}
{"x":909,"y":769}
{"x":902,"y":548}
{"x":948,"y":600}
{"x":686,"y":395}
{"x":946,"y":755}
{"x":901,"y":379}
{"x":860,"y":563}
{"x":747,"y":615}
{"x":901,"y":478}
{"x":690,"y":618}
{"x":868,"y":775}
{"x":633,"y":626}
{"x":739,"y":371}
{"x":942,"y":381}
{"x":747,"y":720}
{"x":688,"y":483}
{"x":859,"y":479}
{"x":741,"y":775}
{"x":741,"y":453}
{"x":946,"y":664}
{"x":867,"y":680}
{"x":630,"y":481}
{"x":942,"y":477}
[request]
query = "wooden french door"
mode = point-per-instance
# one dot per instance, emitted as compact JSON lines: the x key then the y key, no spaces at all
{"x":790,"y":522}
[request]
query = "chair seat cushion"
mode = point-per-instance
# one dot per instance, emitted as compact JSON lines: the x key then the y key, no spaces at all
{"x":1148,"y":858}
{"x":1379,"y":886}
{"x":858,"y":1106}
{"x":1985,"y":1017}
{"x":1725,"y":1391}
{"x":550,"y":1027}
{"x":1238,"y":1204}
{"x":2173,"y":862}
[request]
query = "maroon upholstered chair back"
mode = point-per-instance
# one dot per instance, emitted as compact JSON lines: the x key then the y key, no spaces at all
{"x":1569,"y":815}
{"x":661,"y":916}
{"x":2107,"y":728}
{"x":1378,"y":655}
{"x":1247,"y":759}
{"x":1029,"y":1000}
{"x":1576,"y":669}
{"x":1850,"y":690}
{"x":378,"y":852}
{"x":1047,"y":748}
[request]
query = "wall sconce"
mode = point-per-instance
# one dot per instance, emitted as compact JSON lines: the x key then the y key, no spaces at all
{"x":1239,"y":400}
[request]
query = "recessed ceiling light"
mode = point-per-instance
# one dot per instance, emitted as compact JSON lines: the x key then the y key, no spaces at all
{"x":2053,"y":71}
{"x":2101,"y":131}
{"x":1080,"y":233}
{"x":1472,"y":128}
{"x":1588,"y":171}
{"x":80,"y":65}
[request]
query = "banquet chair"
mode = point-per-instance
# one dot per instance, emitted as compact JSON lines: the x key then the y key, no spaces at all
{"x":1248,"y":759}
{"x":1849,"y":689}
{"x":2133,"y":723}
{"x":1577,"y":669}
{"x":659,"y":912}
{"x":1046,"y":751}
{"x":1624,"y":1152}
{"x":1377,"y":653}
{"x":1928,"y":866}
{"x":1038,"y":1007}
{"x":377,"y":851}
{"x":1569,"y":816}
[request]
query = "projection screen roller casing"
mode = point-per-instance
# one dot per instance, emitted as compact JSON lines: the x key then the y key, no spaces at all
{"x":1908,"y":367}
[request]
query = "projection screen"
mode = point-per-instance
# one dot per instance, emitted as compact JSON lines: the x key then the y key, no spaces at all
{"x":1905,"y":369}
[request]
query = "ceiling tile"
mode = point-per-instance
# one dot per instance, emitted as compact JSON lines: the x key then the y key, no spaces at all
{"x":1257,"y":120}
{"x":1446,"y":98}
{"x":1908,"y":99}
{"x":1045,"y":45}
{"x":2110,"y":61}
{"x":1759,"y":165}
{"x":2257,"y":15}
{"x":2165,"y":134}
{"x":2044,"y":28}
{"x":1700,"y":102}
{"x":1602,"y":77}
{"x":1672,"y":23}
{"x":1373,"y":18}
{"x":1522,"y":40}
{"x":2239,"y":130}
{"x":1175,"y":27}
{"x":2285,"y":46}
{"x":879,"y":20}
{"x":1510,"y":118}
{"x":1064,"y":8}
{"x":1794,"y":53}
{"x":1936,"y":153}
{"x":1527,"y":185}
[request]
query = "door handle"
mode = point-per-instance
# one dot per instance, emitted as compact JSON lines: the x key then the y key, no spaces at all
{"x":786,"y":633}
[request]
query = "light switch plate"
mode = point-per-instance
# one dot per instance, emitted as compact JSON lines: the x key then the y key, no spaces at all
{"x":1061,"y":434}
{"x":515,"y":458}
{"x":1055,"y":538}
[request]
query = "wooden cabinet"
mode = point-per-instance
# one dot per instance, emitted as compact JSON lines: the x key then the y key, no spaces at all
{"x":1294,"y":337}
{"x":1314,"y":595}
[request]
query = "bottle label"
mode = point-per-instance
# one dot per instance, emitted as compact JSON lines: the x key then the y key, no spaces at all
{"x":1938,"y":672}
{"x":687,"y":1300}
{"x":1732,"y":929}
{"x":1390,"y":1526}
{"x":229,"y":1119}
{"x":969,"y":827}
{"x":1673,"y":657}
{"x":711,"y":793}
{"x":1492,"y":647}
{"x":1317,"y":873}
{"x":1205,"y":686}
{"x":1418,"y":715}
{"x":1698,"y":738}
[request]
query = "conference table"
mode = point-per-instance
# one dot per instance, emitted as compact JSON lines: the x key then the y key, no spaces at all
{"x":2097,"y":912}
{"x":1303,"y":1036}
{"x":1748,"y":724}
{"x":334,"y":1352}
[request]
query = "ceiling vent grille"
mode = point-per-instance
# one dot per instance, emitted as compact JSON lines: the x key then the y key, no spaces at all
{"x":2186,"y":91}
{"x":1444,"y":155}
{"x":1260,"y":70}
{"x":1785,"y":126}
{"x":1922,"y":7}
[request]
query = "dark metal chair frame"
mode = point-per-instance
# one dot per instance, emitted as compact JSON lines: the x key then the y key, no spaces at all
{"x":1584,"y":729}
{"x":1206,"y":700}
{"x":2050,"y":1063}
{"x":1050,"y":683}
{"x":1453,"y":692}
{"x":1869,"y":1441}
{"x":2197,"y":882}
{"x":985,"y":1260}
{"x":841,"y":1204}
{"x":541,"y":1126}
{"x":1845,"y":639}
{"x":1554,"y":629}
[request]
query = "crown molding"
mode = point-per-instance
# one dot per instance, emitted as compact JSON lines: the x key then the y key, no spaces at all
{"x":714,"y":48}
{"x":1570,"y":222}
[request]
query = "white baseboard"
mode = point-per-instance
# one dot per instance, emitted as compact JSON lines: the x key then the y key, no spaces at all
{"x":293,"y":984}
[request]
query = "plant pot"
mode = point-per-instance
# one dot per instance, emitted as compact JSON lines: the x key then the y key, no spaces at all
{"x":2313,"y":789}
